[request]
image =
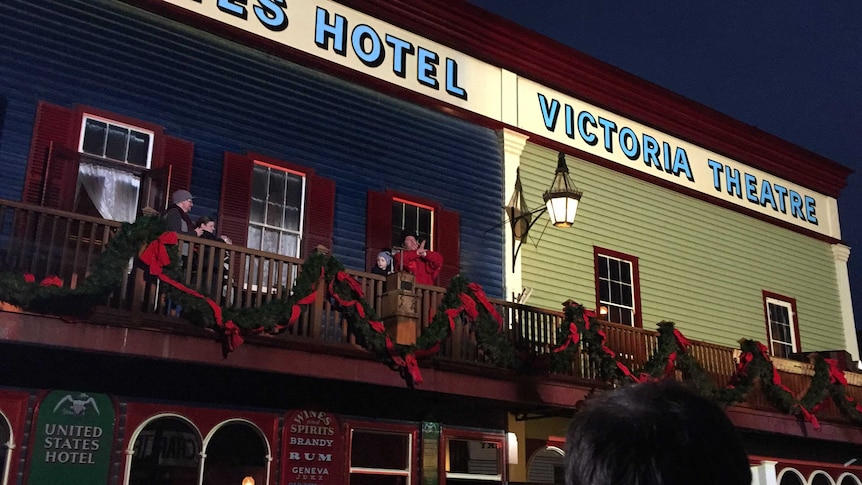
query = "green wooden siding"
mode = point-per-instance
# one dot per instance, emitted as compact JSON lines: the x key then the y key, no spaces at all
{"x":701,"y":266}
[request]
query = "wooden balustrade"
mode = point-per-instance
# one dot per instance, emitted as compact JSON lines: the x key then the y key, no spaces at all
{"x":47,"y":242}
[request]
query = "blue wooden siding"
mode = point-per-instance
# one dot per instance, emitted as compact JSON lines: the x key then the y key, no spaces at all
{"x":226,"y":97}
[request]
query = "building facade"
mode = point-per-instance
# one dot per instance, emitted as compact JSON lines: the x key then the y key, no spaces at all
{"x":318,"y":125}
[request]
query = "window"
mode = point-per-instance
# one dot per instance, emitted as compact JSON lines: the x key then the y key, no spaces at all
{"x":117,"y":142}
{"x":109,"y":173}
{"x":275,"y":219}
{"x":388,"y":213}
{"x":103,"y":164}
{"x":416,"y":218}
{"x":617,"y":286}
{"x":383,"y":455}
{"x":275,"y":206}
{"x":474,"y":458}
{"x":781,"y":325}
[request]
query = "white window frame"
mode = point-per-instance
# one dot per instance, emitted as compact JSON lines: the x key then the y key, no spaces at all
{"x":149,"y":158}
{"x":600,"y":257}
{"x":263,"y":226}
{"x":408,"y":472}
{"x":792,"y":346}
{"x":400,"y":224}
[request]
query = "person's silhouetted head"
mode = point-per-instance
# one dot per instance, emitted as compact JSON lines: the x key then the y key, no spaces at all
{"x":654,"y":434}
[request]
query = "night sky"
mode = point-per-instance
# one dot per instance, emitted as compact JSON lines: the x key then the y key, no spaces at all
{"x":791,"y":68}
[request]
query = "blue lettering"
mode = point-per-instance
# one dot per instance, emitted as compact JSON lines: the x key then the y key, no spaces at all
{"x":680,"y":164}
{"x":651,"y":152}
{"x":570,"y":122}
{"x":796,"y":205}
{"x":337,"y":32}
{"x":731,"y":178}
{"x":452,"y":80}
{"x":717,"y":168}
{"x":589,"y":138}
{"x":609,"y":127}
{"x":629,"y":143}
{"x":751,"y":187}
{"x":400,"y":50}
{"x":766,"y":195}
{"x":549,"y":111}
{"x":363,"y":35}
{"x":810,"y":209}
{"x":271,"y":14}
{"x":233,"y":7}
{"x":427,"y":69}
{"x":782,"y":198}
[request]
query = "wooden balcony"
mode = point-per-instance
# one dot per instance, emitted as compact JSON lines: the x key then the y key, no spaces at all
{"x":46,"y":242}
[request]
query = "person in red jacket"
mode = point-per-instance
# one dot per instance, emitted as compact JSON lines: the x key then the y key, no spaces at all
{"x":422,"y":263}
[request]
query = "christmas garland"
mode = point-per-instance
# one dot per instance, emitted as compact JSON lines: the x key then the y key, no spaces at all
{"x":671,"y":355}
{"x":322,"y":273}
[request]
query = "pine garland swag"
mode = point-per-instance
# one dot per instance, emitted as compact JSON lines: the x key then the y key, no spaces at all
{"x":462,"y":299}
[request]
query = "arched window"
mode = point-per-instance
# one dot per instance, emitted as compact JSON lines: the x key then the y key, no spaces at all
{"x":790,"y":476}
{"x":820,"y":477}
{"x":236,"y":450}
{"x":5,"y":448}
{"x":166,"y":451}
{"x":849,"y":479}
{"x":547,"y":466}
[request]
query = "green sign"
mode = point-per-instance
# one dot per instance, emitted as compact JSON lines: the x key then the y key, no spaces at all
{"x":430,"y":453}
{"x":73,"y":439}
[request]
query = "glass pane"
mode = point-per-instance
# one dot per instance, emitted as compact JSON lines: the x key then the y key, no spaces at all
{"x":258,"y":211}
{"x":411,"y":219}
{"x":369,"y":449}
{"x":235,"y":451}
{"x":254,"y":234}
{"x":425,"y":226}
{"x":166,"y":447}
{"x":118,"y":139}
{"x":291,"y":218}
{"x":625,"y":272}
{"x":95,"y":133}
{"x":139,"y":147}
{"x":604,"y":291}
{"x":289,"y":244}
{"x":275,"y":214}
{"x":270,"y":241}
{"x":626,"y":316}
{"x":277,"y":186}
{"x":293,"y":198}
{"x":614,"y":269}
{"x":616,"y":293}
{"x":361,"y":479}
{"x":626,"y":295}
{"x":474,"y":456}
{"x":259,"y":182}
{"x":603,"y":267}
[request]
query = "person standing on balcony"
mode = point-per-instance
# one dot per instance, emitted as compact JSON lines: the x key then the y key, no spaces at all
{"x":423,"y":264}
{"x":207,"y":225}
{"x":654,"y":433}
{"x":384,"y":264}
{"x":177,"y":216}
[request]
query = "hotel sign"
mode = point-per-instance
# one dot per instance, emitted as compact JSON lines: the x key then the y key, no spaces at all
{"x":352,"y":39}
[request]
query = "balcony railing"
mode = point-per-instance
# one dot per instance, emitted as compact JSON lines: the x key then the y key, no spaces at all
{"x":46,"y":242}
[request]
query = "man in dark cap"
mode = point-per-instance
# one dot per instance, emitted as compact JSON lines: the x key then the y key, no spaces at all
{"x":424,"y":264}
{"x":177,"y":216}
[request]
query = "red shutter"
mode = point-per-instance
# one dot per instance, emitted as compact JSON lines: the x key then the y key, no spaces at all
{"x":52,"y":167}
{"x":448,"y":235}
{"x":179,"y":154}
{"x":378,"y":226}
{"x":235,"y":205}
{"x":319,"y":213}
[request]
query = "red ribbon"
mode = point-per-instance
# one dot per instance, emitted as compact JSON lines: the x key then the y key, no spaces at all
{"x":681,"y":340}
{"x":408,"y":362}
{"x":809,"y":417}
{"x":835,"y":374}
{"x":52,"y":281}
{"x":155,"y":256}
{"x":479,"y":293}
{"x":469,"y":306}
{"x":573,"y":338}
{"x":453,"y":313}
{"x":377,"y":326}
{"x":29,"y":278}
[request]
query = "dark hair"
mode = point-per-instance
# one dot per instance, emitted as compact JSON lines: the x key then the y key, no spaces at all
{"x":407,"y":232}
{"x":203,"y":220}
{"x":654,"y":434}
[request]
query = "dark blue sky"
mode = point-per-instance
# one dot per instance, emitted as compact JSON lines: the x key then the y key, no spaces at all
{"x":792,"y":68}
